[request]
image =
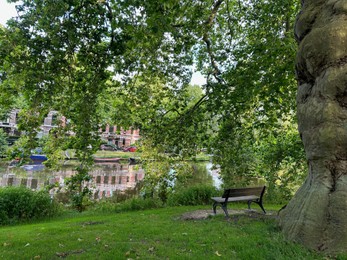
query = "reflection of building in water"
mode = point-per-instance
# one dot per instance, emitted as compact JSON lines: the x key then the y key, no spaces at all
{"x":14,"y":180}
{"x":117,"y":177}
{"x":107,"y":178}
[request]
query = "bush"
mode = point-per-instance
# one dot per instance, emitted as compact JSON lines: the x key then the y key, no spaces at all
{"x":138,"y":204}
{"x":195,"y":195}
{"x":19,"y":204}
{"x":109,"y":205}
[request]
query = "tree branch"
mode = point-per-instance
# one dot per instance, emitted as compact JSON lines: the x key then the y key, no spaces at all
{"x":206,"y":38}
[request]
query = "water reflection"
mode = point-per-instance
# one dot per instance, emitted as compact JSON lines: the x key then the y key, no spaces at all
{"x":107,"y":177}
{"x":217,"y":182}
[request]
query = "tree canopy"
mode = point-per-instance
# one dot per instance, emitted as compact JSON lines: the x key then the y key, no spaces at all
{"x":130,"y":62}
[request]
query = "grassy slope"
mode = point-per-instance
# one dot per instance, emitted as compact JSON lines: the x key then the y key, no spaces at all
{"x":126,"y":155}
{"x":150,"y":234}
{"x":116,"y":154}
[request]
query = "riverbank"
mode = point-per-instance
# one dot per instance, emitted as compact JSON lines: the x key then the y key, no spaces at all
{"x":201,"y":157}
{"x":127,"y":155}
{"x":151,"y":234}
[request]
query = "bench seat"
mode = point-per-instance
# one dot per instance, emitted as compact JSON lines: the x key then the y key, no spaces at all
{"x":230,"y":199}
{"x":253,"y":194}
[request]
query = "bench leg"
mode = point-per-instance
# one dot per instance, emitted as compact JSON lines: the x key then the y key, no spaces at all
{"x":223,"y":206}
{"x":261,"y":206}
{"x":259,"y":203}
{"x":249,"y":204}
{"x":214,"y":208}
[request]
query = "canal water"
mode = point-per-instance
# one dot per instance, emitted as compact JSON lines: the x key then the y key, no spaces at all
{"x":108,"y":178}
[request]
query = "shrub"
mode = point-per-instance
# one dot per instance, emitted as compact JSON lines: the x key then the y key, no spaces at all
{"x":195,"y":195}
{"x":109,"y":205}
{"x":138,"y":204}
{"x":120,"y":196}
{"x":19,"y":204}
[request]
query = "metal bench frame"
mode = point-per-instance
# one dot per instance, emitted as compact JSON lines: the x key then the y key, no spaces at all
{"x":253,"y":194}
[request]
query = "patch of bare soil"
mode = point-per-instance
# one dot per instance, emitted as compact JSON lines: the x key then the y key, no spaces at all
{"x":204,"y":214}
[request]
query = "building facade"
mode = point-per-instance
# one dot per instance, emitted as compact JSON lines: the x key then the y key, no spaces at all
{"x":119,"y":136}
{"x":112,"y":134}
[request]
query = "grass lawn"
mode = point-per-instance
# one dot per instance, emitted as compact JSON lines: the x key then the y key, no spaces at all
{"x":116,"y":154}
{"x":127,"y":155}
{"x":149,"y":234}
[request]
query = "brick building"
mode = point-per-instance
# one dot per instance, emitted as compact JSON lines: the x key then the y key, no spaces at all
{"x":112,"y":134}
{"x":119,"y":136}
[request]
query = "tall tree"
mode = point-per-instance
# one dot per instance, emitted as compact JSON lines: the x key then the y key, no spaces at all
{"x":316,"y":216}
{"x":65,"y":53}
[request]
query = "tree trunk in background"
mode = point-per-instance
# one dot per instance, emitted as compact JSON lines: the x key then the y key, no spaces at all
{"x":317,"y":215}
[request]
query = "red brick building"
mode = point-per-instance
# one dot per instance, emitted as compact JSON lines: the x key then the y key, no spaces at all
{"x":119,"y":136}
{"x":112,"y":134}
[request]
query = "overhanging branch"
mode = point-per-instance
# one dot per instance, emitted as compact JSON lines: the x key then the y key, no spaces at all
{"x":206,"y":38}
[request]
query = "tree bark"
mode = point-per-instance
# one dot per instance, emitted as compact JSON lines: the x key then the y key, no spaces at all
{"x":317,"y":215}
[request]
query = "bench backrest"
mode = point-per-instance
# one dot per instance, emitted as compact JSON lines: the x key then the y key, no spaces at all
{"x":238,"y":192}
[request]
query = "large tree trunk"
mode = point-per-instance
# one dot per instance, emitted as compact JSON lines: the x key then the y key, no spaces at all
{"x":317,"y":215}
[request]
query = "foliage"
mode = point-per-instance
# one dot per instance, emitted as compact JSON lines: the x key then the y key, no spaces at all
{"x":130,"y":193}
{"x":253,"y":95}
{"x":21,"y":149}
{"x":18,"y":204}
{"x":195,"y":195}
{"x":166,"y":172}
{"x":158,"y":180}
{"x":138,"y":204}
{"x":281,"y":162}
{"x":132,"y":204}
{"x":277,"y":158}
{"x":77,"y":186}
{"x":3,"y":142}
{"x":100,"y":61}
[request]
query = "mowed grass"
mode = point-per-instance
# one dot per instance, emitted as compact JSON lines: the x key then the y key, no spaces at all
{"x":116,"y":154}
{"x":149,"y":234}
{"x":127,"y":155}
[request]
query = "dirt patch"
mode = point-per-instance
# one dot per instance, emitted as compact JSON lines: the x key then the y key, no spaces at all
{"x":91,"y":223}
{"x":204,"y":214}
{"x":66,"y":254}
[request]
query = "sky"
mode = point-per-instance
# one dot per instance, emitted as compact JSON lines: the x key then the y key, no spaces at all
{"x":8,"y":10}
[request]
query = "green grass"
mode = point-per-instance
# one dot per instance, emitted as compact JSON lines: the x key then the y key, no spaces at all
{"x":149,"y":234}
{"x":116,"y":154}
{"x":127,"y":155}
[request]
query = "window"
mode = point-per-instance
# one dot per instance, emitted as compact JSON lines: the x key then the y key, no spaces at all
{"x":54,"y":119}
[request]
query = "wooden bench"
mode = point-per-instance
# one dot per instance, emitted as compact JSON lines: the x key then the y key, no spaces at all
{"x":250,"y":195}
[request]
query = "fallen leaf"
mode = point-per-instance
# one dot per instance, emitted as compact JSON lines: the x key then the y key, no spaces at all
{"x":98,"y":239}
{"x":62,"y":254}
{"x":37,"y":257}
{"x":6,"y":244}
{"x":217,"y":253}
